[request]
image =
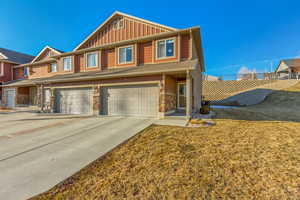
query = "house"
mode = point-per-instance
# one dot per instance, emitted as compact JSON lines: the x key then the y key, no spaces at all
{"x":8,"y":59}
{"x":289,"y":65}
{"x":207,"y":77}
{"x":128,"y":66}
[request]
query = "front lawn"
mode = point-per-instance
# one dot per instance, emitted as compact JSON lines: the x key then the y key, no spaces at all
{"x":257,"y":157}
{"x":232,"y":160}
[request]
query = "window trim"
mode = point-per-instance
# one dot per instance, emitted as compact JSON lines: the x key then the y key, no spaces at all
{"x":133,"y":55}
{"x":165,"y":57}
{"x":51,"y":67}
{"x":64,"y":65}
{"x":28,"y":74}
{"x":97,"y":59}
{"x":1,"y":68}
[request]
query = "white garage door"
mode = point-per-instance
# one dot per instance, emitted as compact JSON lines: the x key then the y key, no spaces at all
{"x":10,"y":98}
{"x":135,"y":100}
{"x":74,"y":101}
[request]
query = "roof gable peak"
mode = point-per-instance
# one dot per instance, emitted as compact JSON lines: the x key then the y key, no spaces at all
{"x":46,"y":48}
{"x":117,"y":14}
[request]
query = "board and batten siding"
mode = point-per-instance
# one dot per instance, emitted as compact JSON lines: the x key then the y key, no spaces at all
{"x":132,"y":29}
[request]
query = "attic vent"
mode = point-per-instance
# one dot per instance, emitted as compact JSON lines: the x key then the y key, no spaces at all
{"x":118,"y":24}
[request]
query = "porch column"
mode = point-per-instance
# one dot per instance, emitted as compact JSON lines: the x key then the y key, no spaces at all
{"x":42,"y":97}
{"x":52,"y":100}
{"x":188,"y":95}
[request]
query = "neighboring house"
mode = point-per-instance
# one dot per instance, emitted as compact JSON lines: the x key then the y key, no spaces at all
{"x":210,"y":78}
{"x":291,"y":67}
{"x":128,"y":66}
{"x":8,"y":59}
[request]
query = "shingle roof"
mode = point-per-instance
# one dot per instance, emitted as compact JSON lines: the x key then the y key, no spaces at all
{"x":292,"y":62}
{"x":112,"y":73}
{"x":16,"y":57}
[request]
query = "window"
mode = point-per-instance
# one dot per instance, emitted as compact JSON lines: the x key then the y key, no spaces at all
{"x":53,"y":67}
{"x":67,"y":63}
{"x":166,"y":48}
{"x":118,"y":24}
{"x":92,"y":60}
{"x":26,"y":71}
{"x":125,"y":55}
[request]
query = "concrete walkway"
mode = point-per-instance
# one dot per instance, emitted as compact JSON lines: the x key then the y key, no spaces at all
{"x":38,"y":152}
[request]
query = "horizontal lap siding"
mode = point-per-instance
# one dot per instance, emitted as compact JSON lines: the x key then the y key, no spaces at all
{"x":79,"y":63}
{"x":185,"y":46}
{"x":18,"y":73}
{"x":108,"y":58}
{"x":7,"y":67}
{"x":39,"y":71}
{"x":145,"y":53}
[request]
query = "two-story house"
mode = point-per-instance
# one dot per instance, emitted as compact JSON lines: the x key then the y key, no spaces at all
{"x":128,"y":66}
{"x":8,"y":59}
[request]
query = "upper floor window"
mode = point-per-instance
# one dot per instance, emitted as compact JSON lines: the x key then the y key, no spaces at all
{"x":166,"y":48}
{"x":67,"y":64}
{"x":53,"y":67}
{"x":26,"y":71}
{"x":125,"y":55}
{"x":92,"y":59}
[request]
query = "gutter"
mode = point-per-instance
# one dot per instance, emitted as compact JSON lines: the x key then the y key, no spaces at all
{"x":132,"y":74}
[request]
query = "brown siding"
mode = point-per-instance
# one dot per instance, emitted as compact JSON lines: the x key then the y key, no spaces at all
{"x":145,"y":53}
{"x":39,"y":71}
{"x":7,"y":67}
{"x":79,"y":63}
{"x":185,"y":46}
{"x":18,"y":73}
{"x":132,"y":29}
{"x":108,"y":58}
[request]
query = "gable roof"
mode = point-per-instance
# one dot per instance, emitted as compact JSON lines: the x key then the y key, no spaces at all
{"x":288,"y":63}
{"x":44,"y":50}
{"x":117,"y":13}
{"x":15,"y":57}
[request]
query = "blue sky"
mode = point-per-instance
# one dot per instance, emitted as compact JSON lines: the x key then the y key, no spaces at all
{"x":235,"y":33}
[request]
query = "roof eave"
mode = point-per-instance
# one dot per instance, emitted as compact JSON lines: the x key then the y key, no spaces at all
{"x":161,"y":35}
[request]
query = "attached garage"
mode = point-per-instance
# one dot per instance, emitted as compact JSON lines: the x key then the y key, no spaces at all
{"x":73,"y":101}
{"x":130,"y":100}
{"x":10,"y":95}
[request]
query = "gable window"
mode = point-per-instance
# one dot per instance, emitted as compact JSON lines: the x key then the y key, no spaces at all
{"x":67,"y":64}
{"x":92,"y":60}
{"x":26,"y":71}
{"x":166,"y":48}
{"x":53,"y":67}
{"x":125,"y":55}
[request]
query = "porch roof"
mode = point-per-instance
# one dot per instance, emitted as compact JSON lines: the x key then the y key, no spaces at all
{"x":147,"y":69}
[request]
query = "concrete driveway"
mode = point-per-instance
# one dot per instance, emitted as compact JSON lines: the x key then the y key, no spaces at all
{"x":39,"y":151}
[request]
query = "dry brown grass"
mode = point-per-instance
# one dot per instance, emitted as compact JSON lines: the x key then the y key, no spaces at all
{"x":236,"y":159}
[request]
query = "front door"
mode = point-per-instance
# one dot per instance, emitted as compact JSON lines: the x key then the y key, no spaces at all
{"x":181,"y":96}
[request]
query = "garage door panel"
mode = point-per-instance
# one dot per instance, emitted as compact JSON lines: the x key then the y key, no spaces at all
{"x":74,"y":101}
{"x":137,"y":100}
